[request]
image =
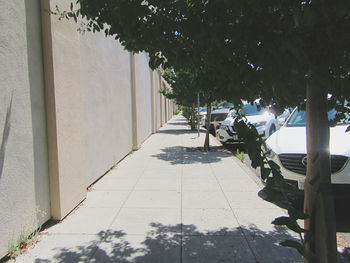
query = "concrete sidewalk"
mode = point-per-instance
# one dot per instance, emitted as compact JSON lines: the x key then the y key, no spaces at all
{"x":169,"y":202}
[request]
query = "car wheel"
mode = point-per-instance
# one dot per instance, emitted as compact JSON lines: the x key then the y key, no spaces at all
{"x":272,"y":129}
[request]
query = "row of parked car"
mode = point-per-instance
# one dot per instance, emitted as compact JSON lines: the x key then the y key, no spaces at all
{"x":285,"y":136}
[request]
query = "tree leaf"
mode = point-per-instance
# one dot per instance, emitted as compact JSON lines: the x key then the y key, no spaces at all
{"x":294,"y":244}
{"x":265,"y":172}
{"x":283,"y":220}
{"x":288,"y":222}
{"x":296,"y":214}
{"x":274,"y":165}
{"x":270,"y":195}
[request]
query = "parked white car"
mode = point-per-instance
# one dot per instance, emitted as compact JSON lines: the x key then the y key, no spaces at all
{"x":202,"y":115}
{"x":264,"y":120}
{"x":287,"y":147}
{"x":284,"y":116}
{"x":217,"y":116}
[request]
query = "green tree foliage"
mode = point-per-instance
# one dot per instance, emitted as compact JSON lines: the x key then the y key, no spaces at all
{"x":268,"y":50}
{"x":183,"y":92}
{"x":186,"y":87}
{"x":189,"y":113}
{"x":183,"y":87}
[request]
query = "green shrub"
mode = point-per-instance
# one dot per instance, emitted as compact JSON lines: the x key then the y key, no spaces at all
{"x":190,"y":114}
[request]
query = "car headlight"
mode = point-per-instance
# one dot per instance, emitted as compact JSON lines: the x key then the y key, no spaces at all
{"x":259,"y":124}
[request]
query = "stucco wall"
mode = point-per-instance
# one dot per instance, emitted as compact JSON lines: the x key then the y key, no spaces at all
{"x":157,"y":101}
{"x":66,"y":112}
{"x":143,"y":98}
{"x":24,"y":181}
{"x":106,"y":81}
{"x":65,"y":126}
{"x":166,"y":109}
{"x":170,"y":109}
{"x":163,"y":109}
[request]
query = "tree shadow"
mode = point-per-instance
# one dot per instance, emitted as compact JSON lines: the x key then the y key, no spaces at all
{"x":190,"y":155}
{"x":178,"y":122}
{"x":176,"y":132}
{"x":37,"y":106}
{"x":5,"y":136}
{"x":180,"y":131}
{"x":164,"y":244}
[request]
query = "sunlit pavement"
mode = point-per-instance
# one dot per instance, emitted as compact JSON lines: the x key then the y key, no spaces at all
{"x":170,"y":202}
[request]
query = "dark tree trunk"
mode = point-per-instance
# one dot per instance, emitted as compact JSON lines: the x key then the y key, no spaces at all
{"x":319,"y":201}
{"x":206,"y":141}
{"x":193,"y":118}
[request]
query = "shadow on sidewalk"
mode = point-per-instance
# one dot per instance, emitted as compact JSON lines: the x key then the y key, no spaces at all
{"x":164,"y":244}
{"x":190,"y":155}
{"x":177,"y":131}
{"x":179,"y":122}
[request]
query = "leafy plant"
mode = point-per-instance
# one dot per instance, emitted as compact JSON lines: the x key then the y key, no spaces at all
{"x":186,"y":86}
{"x":239,"y":155}
{"x":190,"y":114}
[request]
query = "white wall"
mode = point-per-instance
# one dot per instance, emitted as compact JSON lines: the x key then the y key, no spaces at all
{"x":163,"y":109}
{"x":170,"y":103}
{"x":143,"y":97}
{"x":64,"y":110}
{"x":24,"y":185}
{"x":158,"y":102}
{"x":65,"y":113}
{"x":106,"y":81}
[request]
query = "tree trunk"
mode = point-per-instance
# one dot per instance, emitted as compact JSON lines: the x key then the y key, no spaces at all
{"x":206,"y":141}
{"x":319,"y":201}
{"x":193,"y":118}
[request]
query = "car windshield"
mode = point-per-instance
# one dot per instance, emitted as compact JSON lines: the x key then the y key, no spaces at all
{"x":250,"y":110}
{"x":225,"y":105}
{"x":298,"y":118}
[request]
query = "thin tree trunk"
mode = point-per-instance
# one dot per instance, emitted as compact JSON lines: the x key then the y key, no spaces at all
{"x":206,"y":141}
{"x":319,"y":201}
